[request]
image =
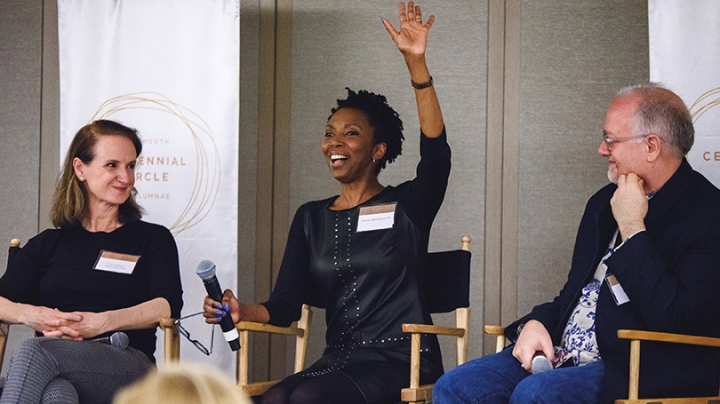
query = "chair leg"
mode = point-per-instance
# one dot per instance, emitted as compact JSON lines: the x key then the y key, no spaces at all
{"x":415,"y":361}
{"x":462,"y":319}
{"x":243,"y":362}
{"x":634,"y":369}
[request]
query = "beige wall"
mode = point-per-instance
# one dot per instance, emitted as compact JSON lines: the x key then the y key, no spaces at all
{"x":575,"y":55}
{"x":523,"y":85}
{"x":20,"y":120}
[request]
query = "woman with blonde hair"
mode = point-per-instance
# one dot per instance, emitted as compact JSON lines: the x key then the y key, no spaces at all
{"x":182,"y":383}
{"x":101,"y":271}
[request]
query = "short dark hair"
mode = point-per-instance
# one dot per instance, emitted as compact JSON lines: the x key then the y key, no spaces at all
{"x":386,"y":123}
{"x":70,"y":199}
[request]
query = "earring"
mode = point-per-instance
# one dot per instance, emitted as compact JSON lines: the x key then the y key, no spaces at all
{"x":373,"y":160}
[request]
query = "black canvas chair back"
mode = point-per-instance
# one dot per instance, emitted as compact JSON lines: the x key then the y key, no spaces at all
{"x":448,"y":280}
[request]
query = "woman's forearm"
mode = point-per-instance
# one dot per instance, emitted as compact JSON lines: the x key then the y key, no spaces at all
{"x":38,"y":318}
{"x":254,"y":312}
{"x":429,"y":112}
{"x":11,"y":312}
{"x":143,"y":315}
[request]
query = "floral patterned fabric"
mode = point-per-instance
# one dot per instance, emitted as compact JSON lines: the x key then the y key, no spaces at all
{"x":578,"y":342}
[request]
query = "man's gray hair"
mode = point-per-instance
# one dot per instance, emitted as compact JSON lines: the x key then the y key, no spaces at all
{"x":662,"y":112}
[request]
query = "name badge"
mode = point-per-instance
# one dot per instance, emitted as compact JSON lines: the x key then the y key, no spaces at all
{"x":376,"y":217}
{"x":116,"y":262}
{"x":618,"y":293}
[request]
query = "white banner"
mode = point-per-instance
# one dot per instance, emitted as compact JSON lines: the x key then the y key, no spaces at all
{"x":170,"y":69}
{"x":685,"y":56}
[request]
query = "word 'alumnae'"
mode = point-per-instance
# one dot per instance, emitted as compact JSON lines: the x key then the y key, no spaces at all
{"x":153,"y":196}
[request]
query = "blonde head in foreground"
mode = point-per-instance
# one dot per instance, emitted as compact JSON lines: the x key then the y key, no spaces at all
{"x":181,"y":384}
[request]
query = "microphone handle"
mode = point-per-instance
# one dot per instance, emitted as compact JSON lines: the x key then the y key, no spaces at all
{"x":212,"y":286}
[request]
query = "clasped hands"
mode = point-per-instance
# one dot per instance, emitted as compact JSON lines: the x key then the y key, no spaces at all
{"x":59,"y":324}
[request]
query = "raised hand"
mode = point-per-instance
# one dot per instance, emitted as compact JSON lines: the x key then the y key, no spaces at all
{"x":412,"y":37}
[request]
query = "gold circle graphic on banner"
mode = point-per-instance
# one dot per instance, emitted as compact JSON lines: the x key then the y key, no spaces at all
{"x":207,"y":177}
{"x":707,"y":100}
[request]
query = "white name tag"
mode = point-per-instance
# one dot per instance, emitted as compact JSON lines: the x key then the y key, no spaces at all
{"x":618,"y":292}
{"x":376,"y":217}
{"x":116,"y":262}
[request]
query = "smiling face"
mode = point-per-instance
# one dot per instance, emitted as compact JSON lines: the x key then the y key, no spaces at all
{"x":109,"y":178}
{"x":349,"y":147}
{"x":625,"y":156}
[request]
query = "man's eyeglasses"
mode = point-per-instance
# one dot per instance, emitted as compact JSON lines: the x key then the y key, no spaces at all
{"x":610,"y":141}
{"x":185,"y":333}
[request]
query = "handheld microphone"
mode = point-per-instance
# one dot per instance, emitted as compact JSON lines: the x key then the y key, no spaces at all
{"x":540,"y":363}
{"x":206,"y":272}
{"x":117,"y":339}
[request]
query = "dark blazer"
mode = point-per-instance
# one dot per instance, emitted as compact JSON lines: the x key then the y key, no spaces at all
{"x":670,"y":272}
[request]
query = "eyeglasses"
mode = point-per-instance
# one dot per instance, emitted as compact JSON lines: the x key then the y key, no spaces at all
{"x":610,"y":141}
{"x":185,"y":333}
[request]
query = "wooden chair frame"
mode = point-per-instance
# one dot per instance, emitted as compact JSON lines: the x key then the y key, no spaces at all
{"x":635,"y":338}
{"x":417,"y":393}
{"x":499,"y":333}
{"x":300,"y":332}
{"x":171,"y":336}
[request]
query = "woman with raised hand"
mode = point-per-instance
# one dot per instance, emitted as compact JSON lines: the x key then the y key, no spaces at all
{"x":361,"y":254}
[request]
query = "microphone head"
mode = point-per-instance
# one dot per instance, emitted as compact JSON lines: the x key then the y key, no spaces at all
{"x":540,"y":364}
{"x":205,"y":270}
{"x":119,"y":339}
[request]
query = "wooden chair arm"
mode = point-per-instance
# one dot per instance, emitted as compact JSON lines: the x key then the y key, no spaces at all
{"x":433,"y":329}
{"x":171,"y":344}
{"x":300,"y":331}
{"x":420,"y":394}
{"x":415,"y":392}
{"x":258,"y":388}
{"x":167,"y":322}
{"x":4,"y":330}
{"x":499,"y":332}
{"x":267,"y":328}
{"x":635,"y":336}
{"x":494,"y":330}
{"x":668,"y":337}
{"x":416,"y":330}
